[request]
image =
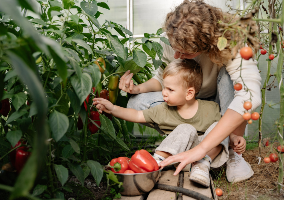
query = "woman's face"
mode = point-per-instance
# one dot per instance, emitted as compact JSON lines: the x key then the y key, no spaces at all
{"x":179,"y":53}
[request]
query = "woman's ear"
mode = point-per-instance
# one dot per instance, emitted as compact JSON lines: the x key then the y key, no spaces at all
{"x":190,"y":94}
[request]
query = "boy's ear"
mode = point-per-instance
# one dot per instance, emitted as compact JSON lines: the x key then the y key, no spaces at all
{"x":190,"y":94}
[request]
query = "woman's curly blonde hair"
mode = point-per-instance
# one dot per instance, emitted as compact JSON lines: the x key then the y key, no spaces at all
{"x":194,"y":27}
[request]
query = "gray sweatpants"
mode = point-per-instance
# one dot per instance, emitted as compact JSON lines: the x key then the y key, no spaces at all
{"x":185,"y":137}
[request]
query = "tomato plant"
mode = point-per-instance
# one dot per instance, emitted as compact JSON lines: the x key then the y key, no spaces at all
{"x":280,"y":148}
{"x":263,"y":51}
{"x":247,"y":116}
{"x":255,"y":116}
{"x":271,"y":57}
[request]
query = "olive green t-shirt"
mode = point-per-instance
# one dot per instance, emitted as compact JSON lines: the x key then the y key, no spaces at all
{"x":168,"y":118}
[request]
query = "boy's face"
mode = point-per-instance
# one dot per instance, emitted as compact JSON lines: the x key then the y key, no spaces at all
{"x":174,"y":92}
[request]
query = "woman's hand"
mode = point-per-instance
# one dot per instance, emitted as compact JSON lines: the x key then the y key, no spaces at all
{"x":126,"y":84}
{"x":103,"y":105}
{"x":238,"y":143}
{"x":184,"y":158}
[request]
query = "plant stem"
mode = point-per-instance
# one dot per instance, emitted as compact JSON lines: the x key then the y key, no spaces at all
{"x":50,"y":176}
{"x":85,"y":131}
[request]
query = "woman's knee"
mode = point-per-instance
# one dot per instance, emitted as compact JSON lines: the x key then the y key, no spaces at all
{"x":145,"y":100}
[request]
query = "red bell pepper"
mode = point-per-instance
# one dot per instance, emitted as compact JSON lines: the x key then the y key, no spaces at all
{"x":13,"y":153}
{"x":142,"y":160}
{"x":88,"y":98}
{"x":22,"y":156}
{"x":5,"y":107}
{"x":95,"y":116}
{"x":119,"y":165}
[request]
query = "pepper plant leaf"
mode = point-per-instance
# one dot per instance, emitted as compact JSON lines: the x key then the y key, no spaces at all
{"x":77,"y":171}
{"x":116,"y":46}
{"x":82,"y":86}
{"x":75,"y":146}
{"x":158,"y":48}
{"x":96,"y":170}
{"x":58,"y":123}
{"x":62,"y":173}
{"x":18,"y":100}
{"x":139,"y":57}
{"x":129,"y":65}
{"x":90,"y":8}
{"x":16,"y":115}
{"x":107,"y":126}
{"x":14,"y":136}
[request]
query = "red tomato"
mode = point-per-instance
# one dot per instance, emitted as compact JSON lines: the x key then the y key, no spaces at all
{"x":266,"y":160}
{"x":250,"y":121}
{"x":219,"y":192}
{"x":246,"y":53}
{"x":255,"y":116}
{"x":263,"y":51}
{"x":238,"y":86}
{"x":271,"y":56}
{"x":247,"y":105}
{"x":273,"y":157}
{"x":129,"y":172}
{"x":247,"y":116}
{"x":260,"y":47}
{"x":267,"y":143}
{"x":280,"y":148}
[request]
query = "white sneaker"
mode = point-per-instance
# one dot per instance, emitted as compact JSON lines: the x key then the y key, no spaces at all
{"x":200,"y":173}
{"x":237,"y":168}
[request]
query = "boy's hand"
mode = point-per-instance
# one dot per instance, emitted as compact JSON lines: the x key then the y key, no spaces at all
{"x":238,"y":143}
{"x":103,"y":105}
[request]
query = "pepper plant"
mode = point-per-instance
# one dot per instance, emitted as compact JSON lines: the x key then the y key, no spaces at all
{"x":49,"y":62}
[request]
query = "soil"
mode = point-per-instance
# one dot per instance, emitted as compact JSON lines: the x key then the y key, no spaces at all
{"x":262,"y":185}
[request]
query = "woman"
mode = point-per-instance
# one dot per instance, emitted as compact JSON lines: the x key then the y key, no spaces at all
{"x":193,"y":30}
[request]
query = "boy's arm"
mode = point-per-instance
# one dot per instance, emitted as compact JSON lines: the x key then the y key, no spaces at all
{"x":127,"y":114}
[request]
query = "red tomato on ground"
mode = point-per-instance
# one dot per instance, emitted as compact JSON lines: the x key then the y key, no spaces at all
{"x":247,"y":105}
{"x":273,"y":157}
{"x":280,"y":148}
{"x":219,"y":192}
{"x":263,"y":51}
{"x":246,"y":53}
{"x":255,"y":116}
{"x":247,"y":116}
{"x":266,"y":160}
{"x":271,"y":57}
{"x":267,"y":143}
{"x":238,"y":86}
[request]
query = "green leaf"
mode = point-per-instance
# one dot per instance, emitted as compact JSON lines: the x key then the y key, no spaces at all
{"x":76,"y":67}
{"x":150,"y":46}
{"x":33,"y":110}
{"x":72,"y":53}
{"x":77,"y":171}
{"x":158,"y":48}
{"x":39,"y":189}
{"x":116,"y":46}
{"x":83,"y":44}
{"x":139,"y":57}
{"x":128,"y":32}
{"x":86,"y":170}
{"x":67,"y":151}
{"x":58,"y":123}
{"x":95,"y":21}
{"x":75,"y":102}
{"x":107,"y":126}
{"x":222,"y":43}
{"x":16,"y":115}
{"x":95,"y":73}
{"x":63,"y":104}
{"x":122,"y":144}
{"x":38,"y":21}
{"x":75,"y":18}
{"x":14,"y":136}
{"x":67,"y":3}
{"x":82,"y":86}
{"x":90,"y":8}
{"x":75,"y":146}
{"x":18,"y":100}
{"x":157,"y":63}
{"x":165,"y":40}
{"x":96,"y":170}
{"x":62,"y":173}
{"x":10,"y":74}
{"x":103,"y":5}
{"x":151,"y":53}
{"x":111,"y":176}
{"x":129,"y":65}
{"x":59,"y":196}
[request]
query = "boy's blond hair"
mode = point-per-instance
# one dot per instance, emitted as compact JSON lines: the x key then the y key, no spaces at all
{"x":189,"y":71}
